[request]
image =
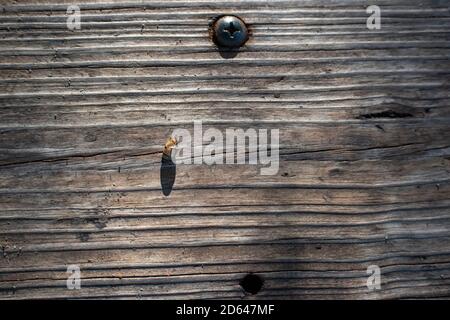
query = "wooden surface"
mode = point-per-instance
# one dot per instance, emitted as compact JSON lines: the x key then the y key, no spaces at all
{"x":364,"y":119}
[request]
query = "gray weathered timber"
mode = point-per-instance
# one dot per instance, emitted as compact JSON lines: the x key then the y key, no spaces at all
{"x":364,"y":179}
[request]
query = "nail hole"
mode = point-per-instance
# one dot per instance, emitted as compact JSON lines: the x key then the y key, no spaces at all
{"x":252,"y":283}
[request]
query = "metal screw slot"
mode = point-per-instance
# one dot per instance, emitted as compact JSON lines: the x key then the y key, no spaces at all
{"x":230,"y":31}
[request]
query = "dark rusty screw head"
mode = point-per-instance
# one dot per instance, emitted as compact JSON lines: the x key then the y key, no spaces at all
{"x":230,"y":31}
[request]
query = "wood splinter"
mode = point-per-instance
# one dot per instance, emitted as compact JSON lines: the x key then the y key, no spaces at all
{"x":170,"y":144}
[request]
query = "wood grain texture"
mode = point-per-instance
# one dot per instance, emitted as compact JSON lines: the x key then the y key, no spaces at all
{"x":364,"y":179}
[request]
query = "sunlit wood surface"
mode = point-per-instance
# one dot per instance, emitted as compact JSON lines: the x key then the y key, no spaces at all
{"x":364,"y":119}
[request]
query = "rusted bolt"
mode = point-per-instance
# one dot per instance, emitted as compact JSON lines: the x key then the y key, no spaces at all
{"x":230,"y":31}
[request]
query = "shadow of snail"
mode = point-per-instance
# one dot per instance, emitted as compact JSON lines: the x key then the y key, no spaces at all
{"x":168,"y":167}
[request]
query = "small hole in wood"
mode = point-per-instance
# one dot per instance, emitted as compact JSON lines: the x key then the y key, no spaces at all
{"x":252,"y":283}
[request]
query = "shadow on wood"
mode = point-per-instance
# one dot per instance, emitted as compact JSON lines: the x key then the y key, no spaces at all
{"x":227,"y":53}
{"x":167,"y":174}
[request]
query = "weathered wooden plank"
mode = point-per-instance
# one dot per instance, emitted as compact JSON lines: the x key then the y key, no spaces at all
{"x":364,"y":165}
